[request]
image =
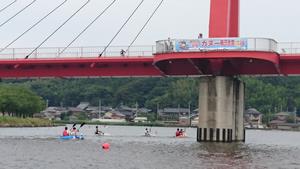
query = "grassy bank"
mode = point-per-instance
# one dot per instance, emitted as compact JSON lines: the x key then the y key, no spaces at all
{"x":6,"y":121}
{"x":152,"y":124}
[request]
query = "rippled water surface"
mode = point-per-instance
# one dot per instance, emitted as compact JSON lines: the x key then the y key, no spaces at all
{"x":40,"y":148}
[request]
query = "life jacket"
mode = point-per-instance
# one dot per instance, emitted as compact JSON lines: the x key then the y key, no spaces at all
{"x":74,"y":132}
{"x":65,"y":133}
{"x":177,"y":133}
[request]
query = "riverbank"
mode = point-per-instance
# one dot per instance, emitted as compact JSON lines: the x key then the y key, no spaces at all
{"x":150,"y":124}
{"x":6,"y":121}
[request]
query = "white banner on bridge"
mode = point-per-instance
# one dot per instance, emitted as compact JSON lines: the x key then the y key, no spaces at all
{"x":211,"y":44}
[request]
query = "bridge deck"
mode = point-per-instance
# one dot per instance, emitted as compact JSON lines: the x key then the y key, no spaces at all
{"x":144,"y":61}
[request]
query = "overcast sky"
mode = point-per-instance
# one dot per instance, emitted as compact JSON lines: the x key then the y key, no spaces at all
{"x":278,"y":19}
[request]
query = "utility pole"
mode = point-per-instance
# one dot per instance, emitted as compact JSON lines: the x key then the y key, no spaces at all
{"x":157,"y":111}
{"x":99,"y":108}
{"x":269,"y":116}
{"x":47,"y":103}
{"x":136,"y":109}
{"x":178,"y":111}
{"x":295,"y":115}
{"x":189,"y":113}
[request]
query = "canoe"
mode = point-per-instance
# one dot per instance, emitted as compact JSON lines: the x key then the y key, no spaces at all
{"x":72,"y":137}
{"x":184,"y":136}
{"x":103,"y":134}
{"x":149,"y":135}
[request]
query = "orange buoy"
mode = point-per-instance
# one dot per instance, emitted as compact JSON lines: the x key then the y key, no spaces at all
{"x":105,"y":146}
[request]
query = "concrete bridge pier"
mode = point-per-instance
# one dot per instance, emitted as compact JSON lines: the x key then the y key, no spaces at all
{"x":221,"y":109}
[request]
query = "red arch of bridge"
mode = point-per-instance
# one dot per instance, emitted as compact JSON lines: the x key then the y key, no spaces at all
{"x":224,"y":22}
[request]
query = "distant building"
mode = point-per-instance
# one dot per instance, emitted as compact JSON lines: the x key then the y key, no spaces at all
{"x":173,"y":113}
{"x":195,"y":120}
{"x":85,"y":111}
{"x":185,"y":121}
{"x":281,"y":121}
{"x":140,"y":119}
{"x":282,"y":116}
{"x":143,"y":110}
{"x":253,"y":118}
{"x":75,"y":110}
{"x":51,"y":113}
{"x":114,"y":115}
{"x":195,"y":112}
{"x":130,"y":113}
{"x":287,"y":126}
{"x":83,"y":105}
{"x":93,"y":112}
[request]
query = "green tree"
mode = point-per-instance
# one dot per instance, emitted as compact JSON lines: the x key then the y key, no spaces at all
{"x":264,"y":96}
{"x":19,"y":101}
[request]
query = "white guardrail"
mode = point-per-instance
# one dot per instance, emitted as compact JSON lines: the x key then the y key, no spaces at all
{"x":77,"y":52}
{"x":162,"y":46}
{"x":211,"y":44}
{"x":289,"y":47}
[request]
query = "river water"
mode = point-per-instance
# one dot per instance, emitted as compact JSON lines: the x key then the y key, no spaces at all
{"x":40,"y":148}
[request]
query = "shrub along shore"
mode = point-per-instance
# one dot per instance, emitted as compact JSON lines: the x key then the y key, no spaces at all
{"x":152,"y":124}
{"x":7,"y":121}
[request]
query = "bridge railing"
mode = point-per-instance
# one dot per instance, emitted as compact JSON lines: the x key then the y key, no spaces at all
{"x":79,"y":52}
{"x":212,"y":44}
{"x":163,"y":46}
{"x":289,"y":47}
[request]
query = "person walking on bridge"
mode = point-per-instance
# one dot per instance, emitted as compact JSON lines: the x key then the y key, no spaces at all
{"x":122,"y":52}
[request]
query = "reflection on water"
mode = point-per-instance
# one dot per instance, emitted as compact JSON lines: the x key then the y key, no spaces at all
{"x":40,"y":148}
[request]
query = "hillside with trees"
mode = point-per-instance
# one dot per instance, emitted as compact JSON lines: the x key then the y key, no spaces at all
{"x":268,"y":94}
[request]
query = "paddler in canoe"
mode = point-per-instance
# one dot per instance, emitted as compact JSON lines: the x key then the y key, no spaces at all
{"x":98,"y":132}
{"x":180,"y":133}
{"x":66,"y":132}
{"x":74,"y":131}
{"x":72,"y":134}
{"x":147,"y":133}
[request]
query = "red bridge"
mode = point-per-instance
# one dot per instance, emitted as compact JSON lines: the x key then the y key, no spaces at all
{"x":261,"y":57}
{"x":255,"y":61}
{"x":224,"y":55}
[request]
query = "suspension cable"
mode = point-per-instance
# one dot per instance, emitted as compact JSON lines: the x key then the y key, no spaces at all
{"x":121,"y":28}
{"x":144,"y":25}
{"x":33,"y":26}
{"x":57,"y":29}
{"x":18,"y":13}
{"x":89,"y":25}
{"x":1,"y":10}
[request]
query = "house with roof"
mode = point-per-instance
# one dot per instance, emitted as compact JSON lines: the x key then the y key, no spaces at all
{"x":253,"y":118}
{"x":285,"y":121}
{"x":114,"y":115}
{"x":173,"y":113}
{"x":130,"y":113}
{"x":83,"y":105}
{"x":278,"y":119}
{"x":93,"y":112}
{"x":51,"y":113}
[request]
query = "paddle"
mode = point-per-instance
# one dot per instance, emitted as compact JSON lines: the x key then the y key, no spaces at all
{"x":82,"y":124}
{"x":72,"y":128}
{"x":151,"y":130}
